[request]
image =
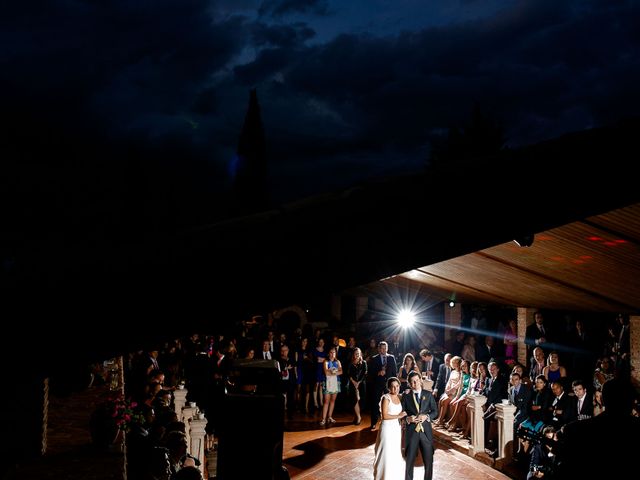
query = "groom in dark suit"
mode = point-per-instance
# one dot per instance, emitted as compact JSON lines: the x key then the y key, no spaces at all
{"x":421,"y":410}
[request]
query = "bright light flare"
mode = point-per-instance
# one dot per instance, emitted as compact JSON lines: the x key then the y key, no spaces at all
{"x":406,"y":318}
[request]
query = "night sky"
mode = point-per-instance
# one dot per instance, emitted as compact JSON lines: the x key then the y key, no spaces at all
{"x":121,"y":111}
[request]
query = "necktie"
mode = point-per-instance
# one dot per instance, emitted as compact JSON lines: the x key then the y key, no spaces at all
{"x":384,"y":361}
{"x":416,"y":400}
{"x":541,"y":329}
{"x":515,"y":392}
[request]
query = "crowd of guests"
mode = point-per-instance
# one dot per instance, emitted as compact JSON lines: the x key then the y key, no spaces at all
{"x":320,"y":373}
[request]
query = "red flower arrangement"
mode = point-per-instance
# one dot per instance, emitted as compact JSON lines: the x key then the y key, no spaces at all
{"x":122,"y":412}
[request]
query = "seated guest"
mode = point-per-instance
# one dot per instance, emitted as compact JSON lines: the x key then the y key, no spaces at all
{"x":562,"y":408}
{"x":583,"y":399}
{"x":520,"y":396}
{"x":539,"y":415}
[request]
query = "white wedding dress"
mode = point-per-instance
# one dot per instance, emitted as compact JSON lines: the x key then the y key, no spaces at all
{"x":389,"y":463}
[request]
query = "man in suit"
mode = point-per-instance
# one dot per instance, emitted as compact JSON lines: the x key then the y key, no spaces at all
{"x":430,"y":365}
{"x":537,"y":334}
{"x":495,"y":390}
{"x":383,"y":366}
{"x":583,"y":400}
{"x":443,"y":376}
{"x":538,"y":363}
{"x":520,"y":396}
{"x":563,"y":406}
{"x":487,"y":350}
{"x":421,"y":410}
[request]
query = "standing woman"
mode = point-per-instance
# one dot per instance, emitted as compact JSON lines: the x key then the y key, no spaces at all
{"x":357,"y":378}
{"x":305,"y":374}
{"x":511,"y":341}
{"x":331,"y":385}
{"x":389,"y":463}
{"x":319,"y":354}
{"x":408,"y":366}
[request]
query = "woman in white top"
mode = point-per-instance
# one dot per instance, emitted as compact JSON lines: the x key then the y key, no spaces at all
{"x":451,"y":389}
{"x":389,"y":463}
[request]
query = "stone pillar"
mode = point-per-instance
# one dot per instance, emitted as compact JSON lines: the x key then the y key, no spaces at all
{"x":525,"y":318}
{"x":336,"y":307}
{"x":179,"y":401}
{"x":504,"y":415}
{"x":452,"y":322}
{"x":477,"y":423}
{"x":197,"y":445}
{"x":362,"y":306}
{"x":212,"y":462}
{"x":188,"y":413}
{"x":634,"y":334}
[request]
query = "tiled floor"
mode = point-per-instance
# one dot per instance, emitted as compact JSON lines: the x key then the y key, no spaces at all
{"x":345,"y":451}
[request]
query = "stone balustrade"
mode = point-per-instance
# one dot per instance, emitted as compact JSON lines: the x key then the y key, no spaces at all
{"x":477,"y":423}
{"x":197,"y":445}
{"x":504,"y":415}
{"x":179,"y":401}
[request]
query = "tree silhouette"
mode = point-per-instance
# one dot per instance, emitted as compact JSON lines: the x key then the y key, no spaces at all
{"x":250,"y":168}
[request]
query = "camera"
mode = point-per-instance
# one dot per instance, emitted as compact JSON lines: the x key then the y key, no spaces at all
{"x":540,"y":468}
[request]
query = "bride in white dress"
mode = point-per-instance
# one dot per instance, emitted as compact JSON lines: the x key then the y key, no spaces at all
{"x":389,"y":463}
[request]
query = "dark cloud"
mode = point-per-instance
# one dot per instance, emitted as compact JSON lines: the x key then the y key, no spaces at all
{"x":541,"y":69}
{"x":288,"y":36}
{"x":278,"y":8}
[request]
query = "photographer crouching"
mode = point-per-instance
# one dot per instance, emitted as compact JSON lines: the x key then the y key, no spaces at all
{"x":543,"y":457}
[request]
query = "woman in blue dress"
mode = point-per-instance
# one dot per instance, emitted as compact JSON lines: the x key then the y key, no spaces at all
{"x":331,"y":386}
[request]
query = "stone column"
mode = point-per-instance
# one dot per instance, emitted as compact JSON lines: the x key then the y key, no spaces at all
{"x":477,"y":424}
{"x":634,"y":334}
{"x":212,"y":462}
{"x":179,"y":401}
{"x":336,"y":306}
{"x":504,"y":415}
{"x":197,"y":446}
{"x":452,"y":322}
{"x":188,"y":413}
{"x":525,"y":318}
{"x":362,"y":305}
